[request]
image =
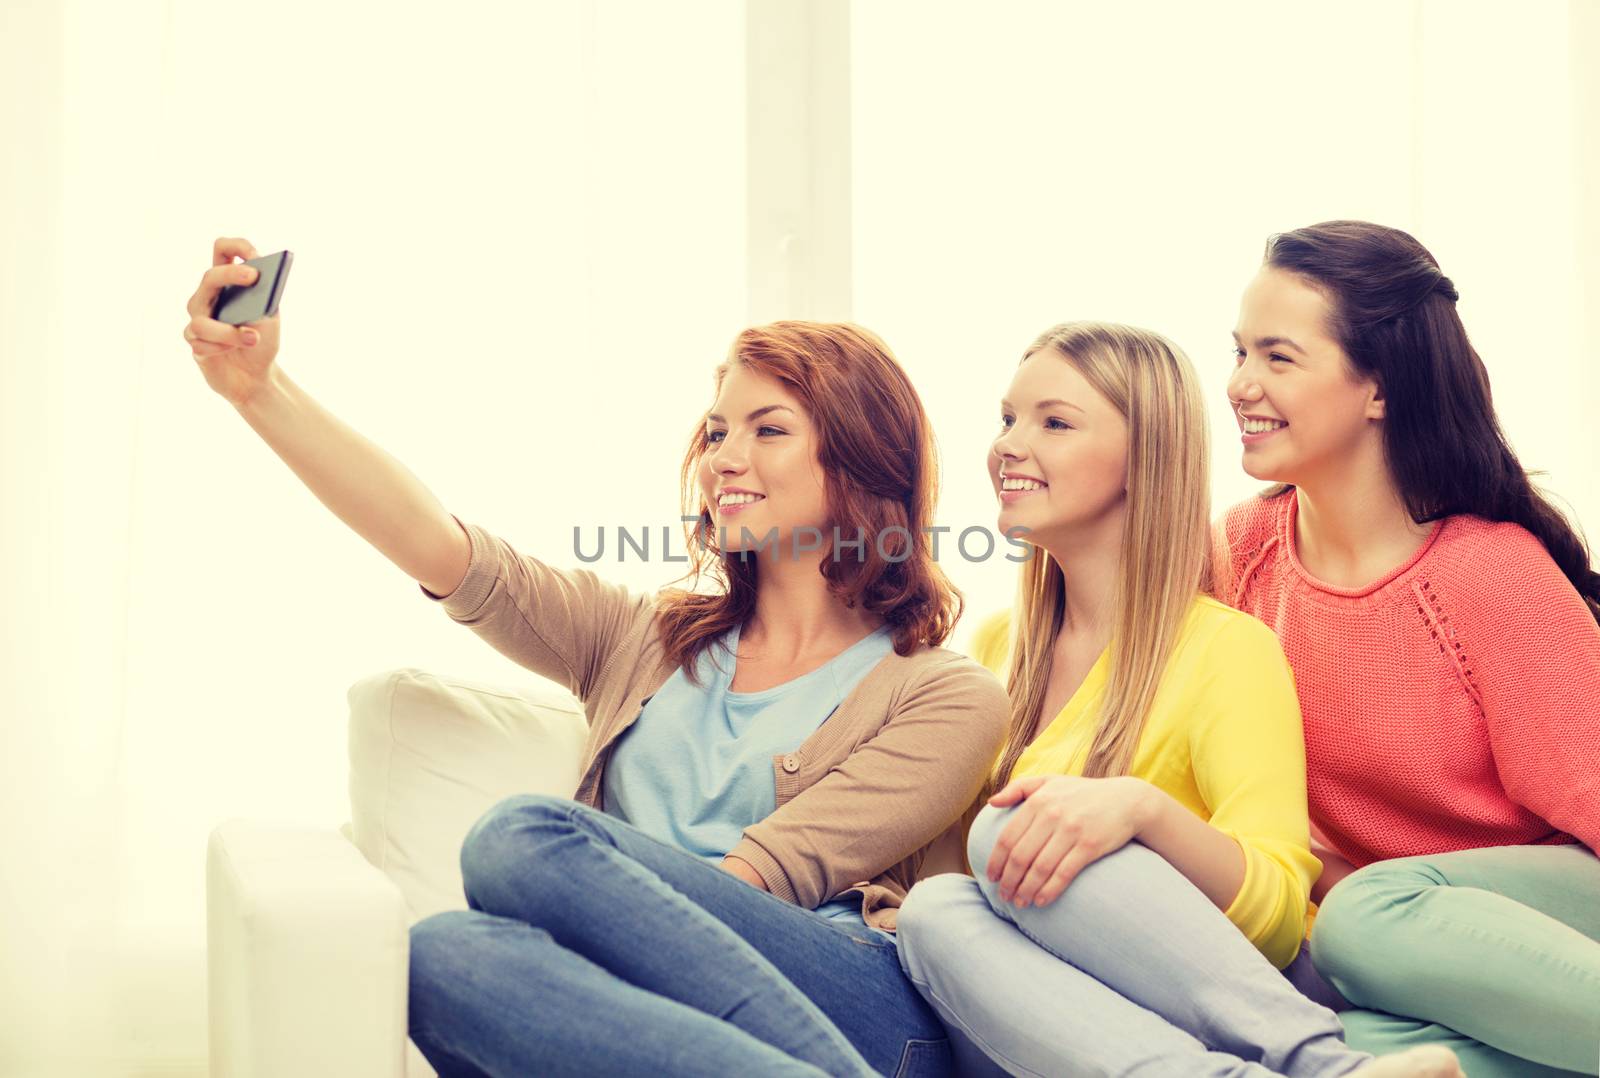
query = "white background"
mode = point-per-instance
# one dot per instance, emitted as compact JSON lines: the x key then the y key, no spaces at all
{"x":524,"y":235}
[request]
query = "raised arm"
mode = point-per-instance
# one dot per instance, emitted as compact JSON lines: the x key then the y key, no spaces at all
{"x":362,"y":485}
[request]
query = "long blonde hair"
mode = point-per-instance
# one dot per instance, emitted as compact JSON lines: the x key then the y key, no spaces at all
{"x":1165,"y":560}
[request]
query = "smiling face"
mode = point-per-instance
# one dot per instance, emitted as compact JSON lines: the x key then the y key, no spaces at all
{"x":1060,"y":462}
{"x":760,"y":471}
{"x":1302,"y":409}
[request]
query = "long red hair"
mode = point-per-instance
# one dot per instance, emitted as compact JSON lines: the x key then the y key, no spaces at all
{"x":876,"y":450}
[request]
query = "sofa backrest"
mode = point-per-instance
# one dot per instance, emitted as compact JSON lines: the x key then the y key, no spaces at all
{"x":429,"y":754}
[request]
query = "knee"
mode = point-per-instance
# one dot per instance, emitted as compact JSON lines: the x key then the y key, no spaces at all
{"x":930,"y":903}
{"x":439,"y":936}
{"x":1337,"y":931}
{"x":928,"y":917}
{"x":1363,"y":919}
{"x":439,"y":950}
{"x":456,"y":962}
{"x":1112,"y":877}
{"x":510,"y":812}
{"x":983,"y":834}
{"x":487,"y":850}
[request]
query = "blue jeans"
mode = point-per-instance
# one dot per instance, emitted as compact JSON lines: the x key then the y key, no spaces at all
{"x":1131,"y":970}
{"x":590,"y":948}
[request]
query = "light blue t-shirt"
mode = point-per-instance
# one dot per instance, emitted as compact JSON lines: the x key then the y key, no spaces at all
{"x":695,"y":768}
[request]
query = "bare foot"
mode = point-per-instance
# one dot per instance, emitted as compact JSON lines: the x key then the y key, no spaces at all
{"x":1428,"y":1061}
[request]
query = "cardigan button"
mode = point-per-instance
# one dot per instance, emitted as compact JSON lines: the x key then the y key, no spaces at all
{"x":791,"y":763}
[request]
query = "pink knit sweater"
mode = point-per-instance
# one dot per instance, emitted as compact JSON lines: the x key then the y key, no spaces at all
{"x":1452,"y":704}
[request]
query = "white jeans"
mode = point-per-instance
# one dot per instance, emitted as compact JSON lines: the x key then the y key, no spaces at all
{"x":1131,"y":971}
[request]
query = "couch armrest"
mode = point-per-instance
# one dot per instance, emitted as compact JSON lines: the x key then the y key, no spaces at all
{"x":308,"y":951}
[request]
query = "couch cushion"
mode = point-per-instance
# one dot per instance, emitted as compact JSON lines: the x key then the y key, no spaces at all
{"x":429,"y":754}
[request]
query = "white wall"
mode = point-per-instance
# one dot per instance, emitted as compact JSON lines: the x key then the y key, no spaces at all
{"x":1022,"y":164}
{"x":524,"y":236}
{"x":519,"y":240}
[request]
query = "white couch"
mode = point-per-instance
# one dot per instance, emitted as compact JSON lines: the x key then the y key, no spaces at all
{"x":308,"y":930}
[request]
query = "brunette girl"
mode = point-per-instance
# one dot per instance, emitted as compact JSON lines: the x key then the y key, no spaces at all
{"x":1440,"y":617}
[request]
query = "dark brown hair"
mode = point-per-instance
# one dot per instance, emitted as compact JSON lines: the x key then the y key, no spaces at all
{"x":1393,"y":311}
{"x":880,"y":477}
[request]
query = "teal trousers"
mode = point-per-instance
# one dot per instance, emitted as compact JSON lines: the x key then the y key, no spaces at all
{"x":1494,"y":953}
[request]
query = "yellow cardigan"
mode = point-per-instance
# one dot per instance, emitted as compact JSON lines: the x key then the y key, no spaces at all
{"x":1223,"y":738}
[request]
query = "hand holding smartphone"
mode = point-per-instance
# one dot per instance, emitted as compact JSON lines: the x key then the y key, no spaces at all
{"x":238,"y":304}
{"x":234,"y":318}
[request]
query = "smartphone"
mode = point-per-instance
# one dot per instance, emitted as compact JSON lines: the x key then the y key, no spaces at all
{"x":237,"y":303}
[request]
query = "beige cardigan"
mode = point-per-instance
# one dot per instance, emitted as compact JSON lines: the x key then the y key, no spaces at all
{"x":859,"y":803}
